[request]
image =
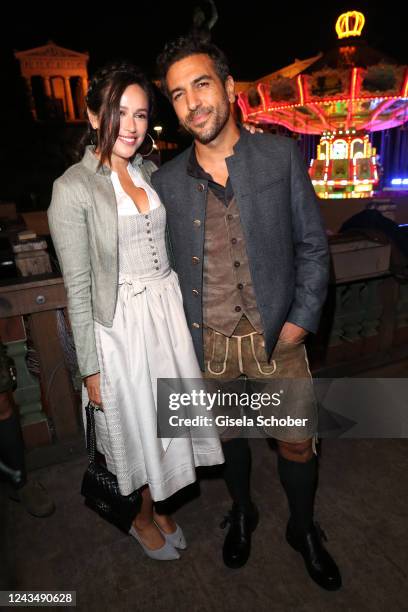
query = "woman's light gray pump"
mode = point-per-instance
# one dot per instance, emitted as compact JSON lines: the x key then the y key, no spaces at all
{"x":167,"y":552}
{"x":176,"y":538}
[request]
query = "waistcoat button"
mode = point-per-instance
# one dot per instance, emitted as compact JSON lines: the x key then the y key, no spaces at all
{"x":196,"y":325}
{"x":197,"y":222}
{"x":237,"y":264}
{"x":238,"y":309}
{"x":195,"y":291}
{"x":195,"y":260}
{"x":201,"y":187}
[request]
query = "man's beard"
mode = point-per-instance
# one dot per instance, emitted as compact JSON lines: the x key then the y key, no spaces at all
{"x":217,"y":118}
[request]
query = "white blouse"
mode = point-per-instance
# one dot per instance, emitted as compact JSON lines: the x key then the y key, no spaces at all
{"x":126,"y":206}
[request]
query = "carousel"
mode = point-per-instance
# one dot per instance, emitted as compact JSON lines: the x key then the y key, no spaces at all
{"x":343,"y":96}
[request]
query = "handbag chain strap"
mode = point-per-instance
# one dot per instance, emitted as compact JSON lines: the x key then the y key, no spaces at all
{"x":90,"y":432}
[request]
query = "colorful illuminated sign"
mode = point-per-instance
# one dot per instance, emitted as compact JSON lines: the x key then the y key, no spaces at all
{"x":345,"y":167}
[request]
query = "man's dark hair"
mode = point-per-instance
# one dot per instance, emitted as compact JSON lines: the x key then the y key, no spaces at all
{"x":184,"y":46}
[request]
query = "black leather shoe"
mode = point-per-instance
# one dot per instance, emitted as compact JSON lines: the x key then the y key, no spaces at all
{"x":320,"y":565}
{"x":237,"y":544}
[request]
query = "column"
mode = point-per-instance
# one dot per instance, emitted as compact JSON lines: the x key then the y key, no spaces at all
{"x":31,"y":102}
{"x":80,"y":97}
{"x":47,"y":87}
{"x":68,"y":98}
{"x":84,"y":82}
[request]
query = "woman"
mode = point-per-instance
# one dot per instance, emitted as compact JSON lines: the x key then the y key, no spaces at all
{"x":124,"y":302}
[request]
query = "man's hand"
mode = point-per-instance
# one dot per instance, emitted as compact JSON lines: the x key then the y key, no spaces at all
{"x":292,"y":333}
{"x":93,"y":387}
{"x":252,"y":128}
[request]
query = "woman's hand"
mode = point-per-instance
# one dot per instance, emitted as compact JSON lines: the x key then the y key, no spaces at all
{"x":252,"y":129}
{"x":93,"y":386}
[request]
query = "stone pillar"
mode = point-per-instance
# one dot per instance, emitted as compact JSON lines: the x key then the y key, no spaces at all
{"x":68,"y":98}
{"x":84,"y":82}
{"x":52,"y":88}
{"x":47,"y":87}
{"x":31,"y":101}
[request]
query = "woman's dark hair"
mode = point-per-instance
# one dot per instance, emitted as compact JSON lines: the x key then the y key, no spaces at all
{"x":103,"y":99}
{"x":184,"y":46}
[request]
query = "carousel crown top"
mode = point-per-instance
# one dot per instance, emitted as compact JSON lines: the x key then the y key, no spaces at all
{"x":350,"y":24}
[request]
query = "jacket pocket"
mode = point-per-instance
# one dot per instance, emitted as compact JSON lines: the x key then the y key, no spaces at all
{"x":271,"y":184}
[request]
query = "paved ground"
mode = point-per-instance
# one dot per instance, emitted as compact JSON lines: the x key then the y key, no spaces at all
{"x":361,"y":503}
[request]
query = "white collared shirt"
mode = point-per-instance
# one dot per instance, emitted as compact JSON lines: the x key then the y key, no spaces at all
{"x":126,"y":206}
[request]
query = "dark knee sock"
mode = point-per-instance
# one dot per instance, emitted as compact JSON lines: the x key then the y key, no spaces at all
{"x":299,"y":481}
{"x":12,"y":446}
{"x":237,"y":471}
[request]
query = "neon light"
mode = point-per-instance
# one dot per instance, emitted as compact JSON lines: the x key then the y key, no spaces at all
{"x":301,"y":91}
{"x":350,"y":24}
{"x":242,"y":106}
{"x":354,"y":83}
{"x":260,"y":90}
{"x":324,"y":101}
{"x":405,"y":87}
{"x":342,"y":182}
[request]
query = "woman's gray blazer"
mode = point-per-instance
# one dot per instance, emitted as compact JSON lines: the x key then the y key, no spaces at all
{"x":83,"y":221}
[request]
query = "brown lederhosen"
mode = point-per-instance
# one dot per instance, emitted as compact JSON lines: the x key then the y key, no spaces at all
{"x":243,"y":354}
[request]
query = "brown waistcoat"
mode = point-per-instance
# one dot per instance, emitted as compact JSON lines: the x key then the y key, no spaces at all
{"x":228,"y":292}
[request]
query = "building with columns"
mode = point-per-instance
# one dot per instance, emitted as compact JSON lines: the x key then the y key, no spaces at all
{"x":56,"y":80}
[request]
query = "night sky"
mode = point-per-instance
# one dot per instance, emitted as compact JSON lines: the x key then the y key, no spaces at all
{"x":258,"y":39}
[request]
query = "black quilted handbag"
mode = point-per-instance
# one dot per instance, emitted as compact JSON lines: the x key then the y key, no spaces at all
{"x":100,"y":487}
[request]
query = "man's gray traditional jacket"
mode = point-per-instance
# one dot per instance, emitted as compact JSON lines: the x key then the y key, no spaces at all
{"x":285,"y":238}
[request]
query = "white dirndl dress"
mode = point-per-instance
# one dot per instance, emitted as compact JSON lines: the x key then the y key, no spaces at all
{"x":149,"y":339}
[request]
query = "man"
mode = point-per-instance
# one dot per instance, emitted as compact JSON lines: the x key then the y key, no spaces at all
{"x":252,"y":258}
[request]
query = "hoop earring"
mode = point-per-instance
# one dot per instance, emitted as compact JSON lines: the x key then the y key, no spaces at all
{"x":94,"y":137}
{"x":153,"y":146}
